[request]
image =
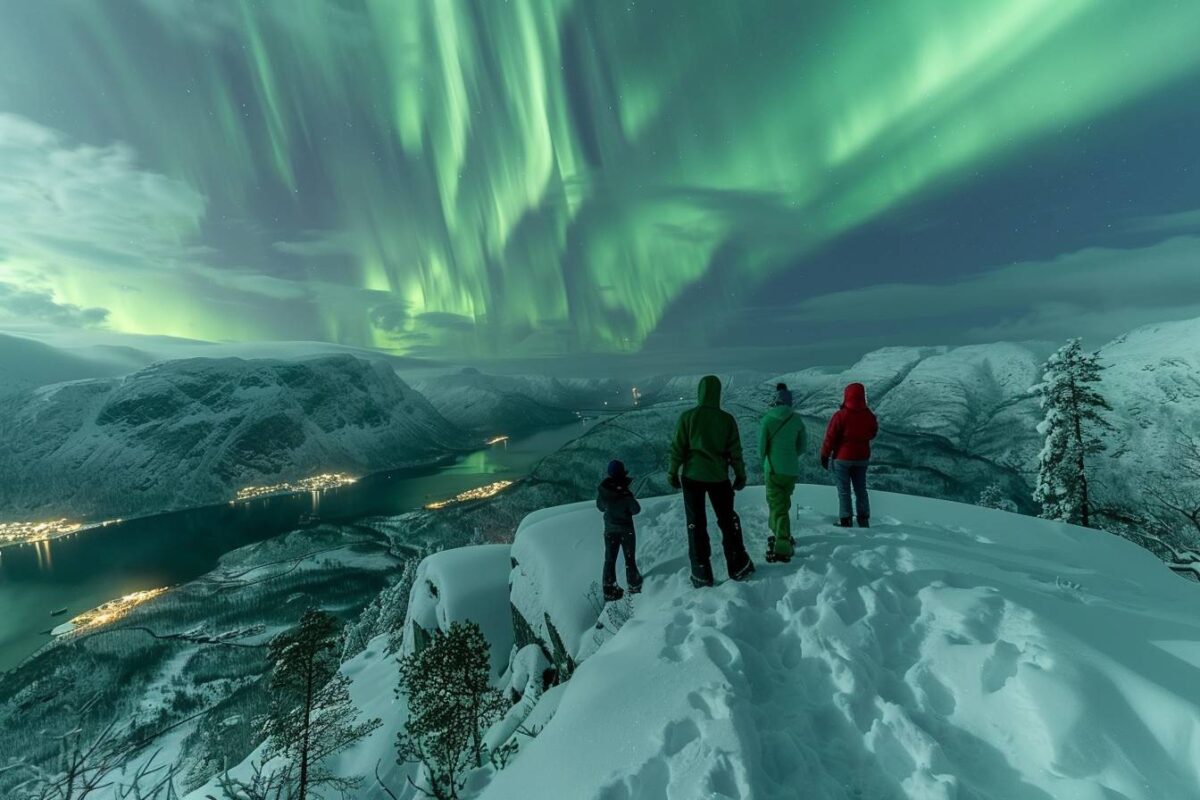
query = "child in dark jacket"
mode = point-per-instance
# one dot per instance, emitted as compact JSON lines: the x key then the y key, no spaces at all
{"x":615,"y":499}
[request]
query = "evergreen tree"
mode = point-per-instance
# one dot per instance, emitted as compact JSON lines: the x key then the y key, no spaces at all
{"x":311,"y":715}
{"x":1071,"y":425}
{"x":451,"y":705}
{"x":993,"y":497}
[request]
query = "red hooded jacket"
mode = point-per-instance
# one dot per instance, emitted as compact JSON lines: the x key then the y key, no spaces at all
{"x":853,"y":426}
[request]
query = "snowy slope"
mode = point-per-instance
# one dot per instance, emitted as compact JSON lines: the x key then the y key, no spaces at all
{"x":942,"y":407}
{"x":1152,"y":380}
{"x":27,"y":362}
{"x":489,"y":404}
{"x":191,"y":432}
{"x":951,"y":651}
{"x":495,"y":404}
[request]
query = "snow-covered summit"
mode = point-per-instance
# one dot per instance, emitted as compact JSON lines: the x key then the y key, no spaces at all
{"x":950,"y":651}
{"x":190,"y":432}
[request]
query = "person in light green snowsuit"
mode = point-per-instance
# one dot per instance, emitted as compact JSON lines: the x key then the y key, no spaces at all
{"x":780,"y":440}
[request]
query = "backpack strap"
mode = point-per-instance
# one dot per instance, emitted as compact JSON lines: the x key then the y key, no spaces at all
{"x":771,"y":436}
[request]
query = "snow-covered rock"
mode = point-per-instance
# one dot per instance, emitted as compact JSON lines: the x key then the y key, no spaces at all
{"x":191,"y":432}
{"x":464,"y":583}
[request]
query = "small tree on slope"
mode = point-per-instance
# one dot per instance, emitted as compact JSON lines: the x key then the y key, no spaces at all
{"x":311,"y":715}
{"x":451,"y":705}
{"x":1072,"y":407}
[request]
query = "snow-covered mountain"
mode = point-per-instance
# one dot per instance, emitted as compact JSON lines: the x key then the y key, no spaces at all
{"x":950,"y":651}
{"x":501,"y":404}
{"x":25,"y":363}
{"x":192,"y":432}
{"x":1152,"y":380}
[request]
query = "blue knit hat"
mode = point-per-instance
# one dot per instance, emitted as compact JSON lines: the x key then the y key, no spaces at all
{"x":783,"y":395}
{"x":616,"y":469}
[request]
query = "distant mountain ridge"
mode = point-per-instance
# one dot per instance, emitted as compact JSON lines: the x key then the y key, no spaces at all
{"x":191,"y":432}
{"x":493,"y":404}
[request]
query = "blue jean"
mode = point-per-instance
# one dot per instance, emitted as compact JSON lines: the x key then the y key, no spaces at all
{"x":852,"y":474}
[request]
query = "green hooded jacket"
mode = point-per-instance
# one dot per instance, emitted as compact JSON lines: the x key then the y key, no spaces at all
{"x":706,"y":442}
{"x":785,"y":430}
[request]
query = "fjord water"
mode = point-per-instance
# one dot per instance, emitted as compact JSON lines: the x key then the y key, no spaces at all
{"x":82,"y":571}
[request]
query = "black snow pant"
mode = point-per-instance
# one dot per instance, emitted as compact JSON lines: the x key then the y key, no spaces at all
{"x":720,"y":494}
{"x":615,"y":541}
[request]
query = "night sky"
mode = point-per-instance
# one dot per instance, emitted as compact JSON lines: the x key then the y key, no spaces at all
{"x":759,"y":183}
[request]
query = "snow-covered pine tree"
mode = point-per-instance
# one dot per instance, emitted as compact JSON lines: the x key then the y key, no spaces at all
{"x":451,"y":703}
{"x":1073,"y":417}
{"x":993,"y":497}
{"x":311,"y":715}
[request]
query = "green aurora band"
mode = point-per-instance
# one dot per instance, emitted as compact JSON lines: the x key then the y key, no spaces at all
{"x":535,"y":176}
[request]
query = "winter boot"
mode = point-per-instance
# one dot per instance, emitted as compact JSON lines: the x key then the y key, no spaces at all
{"x":702,"y":576}
{"x":844,"y":522}
{"x":780,"y":549}
{"x":745,"y":572}
{"x":635,"y":588}
{"x":864,"y":522}
{"x":613,"y":593}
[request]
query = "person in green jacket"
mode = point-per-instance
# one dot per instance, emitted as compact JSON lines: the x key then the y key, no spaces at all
{"x":705,"y":446}
{"x":780,"y":440}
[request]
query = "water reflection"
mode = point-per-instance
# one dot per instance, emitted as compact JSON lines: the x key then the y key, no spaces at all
{"x":45,"y":556}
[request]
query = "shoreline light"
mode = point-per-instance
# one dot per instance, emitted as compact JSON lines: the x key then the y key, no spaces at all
{"x":315,"y":483}
{"x":45,"y":530}
{"x":478,"y":493}
{"x":108,"y":612}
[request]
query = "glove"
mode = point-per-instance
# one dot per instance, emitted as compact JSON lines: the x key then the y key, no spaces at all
{"x":825,"y":462}
{"x":673,"y":479}
{"x":739,"y":483}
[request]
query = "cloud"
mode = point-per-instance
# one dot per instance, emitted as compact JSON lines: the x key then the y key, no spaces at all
{"x":1179,"y":222}
{"x":391,"y":317}
{"x":63,"y":201}
{"x":89,"y":237}
{"x":23,"y":304}
{"x":1093,"y":292}
{"x":445,"y":321}
{"x":319,"y":244}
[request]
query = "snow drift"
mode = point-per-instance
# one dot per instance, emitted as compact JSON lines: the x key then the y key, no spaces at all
{"x":191,"y":432}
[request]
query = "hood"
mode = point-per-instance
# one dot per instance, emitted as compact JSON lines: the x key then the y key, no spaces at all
{"x":709,"y":393}
{"x":614,"y":485}
{"x":779,"y":412}
{"x":855,"y":396}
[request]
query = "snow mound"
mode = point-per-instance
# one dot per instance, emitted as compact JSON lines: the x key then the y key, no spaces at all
{"x":464,"y":584}
{"x":948,"y":652}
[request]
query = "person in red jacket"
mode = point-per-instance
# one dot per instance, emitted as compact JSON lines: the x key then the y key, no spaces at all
{"x":848,"y":444}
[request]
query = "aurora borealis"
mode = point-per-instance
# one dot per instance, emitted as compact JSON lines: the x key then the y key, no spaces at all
{"x":494,"y":179}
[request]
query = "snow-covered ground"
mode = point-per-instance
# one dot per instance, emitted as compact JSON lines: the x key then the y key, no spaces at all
{"x":950,"y":651}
